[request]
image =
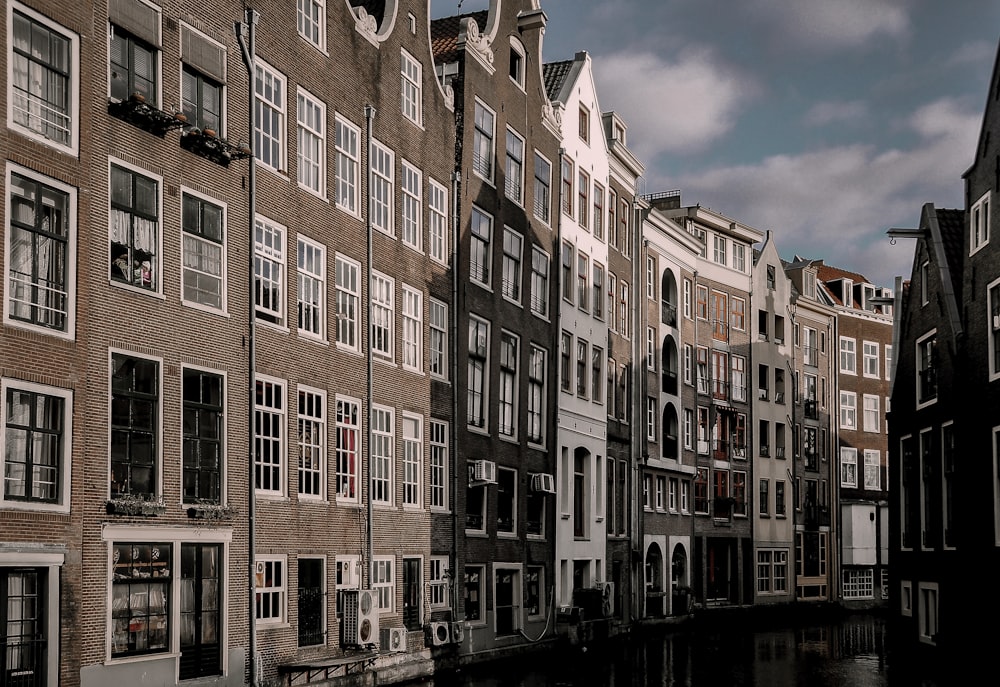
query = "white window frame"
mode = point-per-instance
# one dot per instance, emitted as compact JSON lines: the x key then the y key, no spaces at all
{"x":411,"y":90}
{"x":848,"y":467}
{"x":537,"y":385}
{"x":438,"y":440}
{"x":870,"y":358}
{"x":347,"y":278}
{"x":411,"y":210}
{"x":270,"y":101}
{"x":72,"y":80}
{"x":313,"y":441}
{"x":311,"y":270}
{"x":481,"y":248}
{"x":979,"y":223}
{"x":437,"y":221}
{"x":992,"y":327}
{"x":438,"y":328}
{"x":260,"y":576}
{"x":310,"y":117}
{"x":311,"y":22}
{"x":280,"y":413}
{"x":512,"y":265}
{"x":484,"y":141}
{"x":539,"y":282}
{"x":932,"y":334}
{"x":651,"y":349}
{"x":739,"y":257}
{"x":542,"y":206}
{"x":69,"y":330}
{"x":347,"y":139}
{"x":383,"y":304}
{"x":193,"y":269}
{"x":928,"y":614}
{"x":413,"y":329}
{"x":483,"y":394}
{"x":381,"y":184}
{"x":383,"y":582}
{"x":514,"y":167}
{"x":65,"y":464}
{"x":344,"y":408}
{"x":848,"y":355}
{"x":269,"y":248}
{"x":871,"y":414}
{"x":873,"y":469}
{"x":437,"y":582}
{"x":156,"y":276}
{"x":412,"y":430}
{"x":848,"y":410}
{"x":508,"y":384}
{"x":382,"y":449}
{"x":515,"y":68}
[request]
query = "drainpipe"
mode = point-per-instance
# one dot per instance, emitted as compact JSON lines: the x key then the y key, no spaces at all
{"x":369,"y":545}
{"x":692,"y":510}
{"x":248,"y":48}
{"x":456,"y":184}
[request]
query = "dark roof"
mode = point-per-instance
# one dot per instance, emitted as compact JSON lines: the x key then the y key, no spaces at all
{"x":952,"y":226}
{"x":555,"y":74}
{"x":444,"y":35}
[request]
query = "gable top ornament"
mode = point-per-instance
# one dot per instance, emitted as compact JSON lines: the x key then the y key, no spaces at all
{"x":366,"y":25}
{"x":476,"y":44}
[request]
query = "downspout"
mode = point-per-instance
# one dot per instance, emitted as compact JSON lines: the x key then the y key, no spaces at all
{"x":557,"y":344}
{"x":801,"y":435}
{"x":694,"y":496}
{"x":247,"y":49}
{"x":456,"y":185}
{"x":369,"y":544}
{"x":640,"y":430}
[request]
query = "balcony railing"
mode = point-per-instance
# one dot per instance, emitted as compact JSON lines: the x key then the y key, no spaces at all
{"x":779,"y":451}
{"x":720,"y":389}
{"x":668,"y":314}
{"x":137,"y":112}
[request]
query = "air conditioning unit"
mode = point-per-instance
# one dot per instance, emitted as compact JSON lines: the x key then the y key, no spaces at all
{"x":484,"y":471}
{"x":439,"y":633}
{"x":543,"y":482}
{"x":607,"y":598}
{"x":457,"y":632}
{"x":393,"y":639}
{"x":359,"y":622}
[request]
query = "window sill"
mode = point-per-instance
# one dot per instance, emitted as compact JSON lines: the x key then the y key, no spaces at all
{"x":124,"y":660}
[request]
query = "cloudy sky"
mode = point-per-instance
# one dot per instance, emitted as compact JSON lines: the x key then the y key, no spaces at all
{"x":825,"y":121}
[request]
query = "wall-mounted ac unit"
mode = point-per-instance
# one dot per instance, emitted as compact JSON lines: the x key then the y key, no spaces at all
{"x":607,"y":598}
{"x":393,"y":639}
{"x":359,"y":622}
{"x":439,"y":633}
{"x":484,"y":472}
{"x":457,"y":632}
{"x":543,"y":482}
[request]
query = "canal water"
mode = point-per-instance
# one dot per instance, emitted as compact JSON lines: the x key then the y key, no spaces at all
{"x":851,"y":651}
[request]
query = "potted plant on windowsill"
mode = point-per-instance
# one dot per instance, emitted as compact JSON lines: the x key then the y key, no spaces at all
{"x":203,"y":509}
{"x":136,"y":504}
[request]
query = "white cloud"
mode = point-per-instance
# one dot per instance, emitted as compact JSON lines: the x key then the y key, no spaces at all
{"x":832,"y":23}
{"x":829,"y":112}
{"x":979,"y":52}
{"x":836,"y":203}
{"x":678,"y":106}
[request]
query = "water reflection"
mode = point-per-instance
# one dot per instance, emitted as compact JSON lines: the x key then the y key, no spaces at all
{"x":852,"y":651}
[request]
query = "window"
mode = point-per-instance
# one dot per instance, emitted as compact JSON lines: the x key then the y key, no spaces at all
{"x":203,"y":247}
{"x":739,"y":378}
{"x":702,"y":302}
{"x":514,"y":170}
{"x":612,"y":218}
{"x":848,"y":410}
{"x":651,"y":414}
{"x":584,"y":124}
{"x":848,"y":355}
{"x":672,"y":495}
{"x":475,"y":503}
{"x":311,"y":148}
{"x":870,"y":358}
{"x":567,"y":186}
{"x":623,"y":229}
{"x":383,"y":297}
{"x":312,"y":442}
{"x":203,"y":453}
{"x":474,"y":592}
{"x":688,"y":428}
{"x":135,"y":229}
{"x":37,"y":445}
{"x":269,"y":115}
{"x":685,"y":496}
{"x":626,"y":314}
{"x":269,"y":432}
{"x":582,"y":281}
{"x":598,"y":212}
{"x":687,"y":298}
{"x":770,"y":277}
{"x":737,"y":319}
{"x":383,"y":433}
{"x":140,"y":598}
{"x":506,"y":501}
{"x":582,"y":349}
{"x":873,"y":469}
{"x":438,"y":439}
{"x":413,"y":449}
{"x":567,"y":271}
{"x":739,"y":257}
{"x":848,"y":467}
{"x":346,"y":137}
{"x":41,"y":254}
{"x":437,"y":582}
{"x":661,"y":488}
{"x":651,"y":348}
{"x":583,"y":198}
{"x":412,"y":206}
{"x":888,"y":358}
{"x":479,"y":336}
{"x":511,"y":286}
{"x":134,"y":56}
{"x":992,"y":326}
{"x":719,"y":249}
{"x":383,"y":583}
{"x":515,"y":68}
{"x":382,"y":180}
{"x":348,"y":448}
{"x":347,"y":277}
{"x":509,"y":354}
{"x":764,"y":497}
{"x":410,"y":88}
{"x":437,"y":221}
{"x":924,"y":283}
{"x":312,"y":601}
{"x":135,"y":419}
{"x":43,"y":64}
{"x":311,"y":20}
{"x":482,"y":143}
{"x":539,"y":282}
{"x":269,"y":270}
{"x":312,"y":288}
{"x":413,"y":329}
{"x":979,"y":224}
{"x":872,"y":418}
{"x":270,"y":589}
{"x":772,"y":571}
{"x":534,"y":598}
{"x":480,"y":254}
{"x":598,"y":300}
{"x":543,"y":187}
{"x":859,"y":583}
{"x":596,"y":374}
{"x":439,"y":339}
{"x":536,"y":395}
{"x":779,"y":497}
{"x":927,"y":368}
{"x":565,"y":371}
{"x":701,"y":491}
